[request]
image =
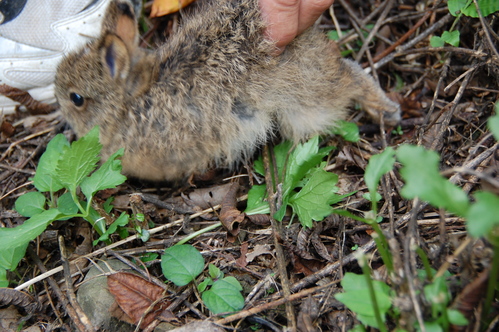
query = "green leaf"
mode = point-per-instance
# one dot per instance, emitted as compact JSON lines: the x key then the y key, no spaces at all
{"x":303,"y":158}
{"x":451,"y":38}
{"x":46,"y":178}
{"x":79,"y":160}
{"x":493,"y":123}
{"x":224,"y":296}
{"x":204,"y":284}
{"x":144,"y":235}
{"x":358,"y":328}
{"x":121,"y":221}
{"x":348,"y":130}
{"x":314,"y":199}
{"x":66,"y":205}
{"x":333,"y":35}
{"x":467,"y":7}
{"x":256,"y":203}
{"x":215,"y":272}
{"x":456,"y":6}
{"x":456,"y":317}
{"x":96,"y":220}
{"x":436,"y":41}
{"x":379,"y":165}
{"x":30,"y":204}
{"x":423,"y":180}
{"x":377,"y":196}
{"x":149,"y":257}
{"x":106,"y":177}
{"x":437,"y":295}
{"x":4,"y":282}
{"x":10,"y":257}
{"x":483,"y":215}
{"x":29,"y":230}
{"x":181,"y":264}
{"x":430,"y":327}
{"x":356,"y":297}
{"x":108,"y":204}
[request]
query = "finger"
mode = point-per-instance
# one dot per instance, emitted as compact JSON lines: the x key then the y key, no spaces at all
{"x":310,"y":10}
{"x":282,"y":17}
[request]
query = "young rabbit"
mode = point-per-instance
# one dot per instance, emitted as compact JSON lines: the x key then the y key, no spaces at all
{"x":211,"y":94}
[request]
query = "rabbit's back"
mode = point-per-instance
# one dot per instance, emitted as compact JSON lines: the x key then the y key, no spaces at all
{"x":210,"y":95}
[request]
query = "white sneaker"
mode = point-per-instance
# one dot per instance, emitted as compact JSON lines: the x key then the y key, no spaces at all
{"x":35,"y":38}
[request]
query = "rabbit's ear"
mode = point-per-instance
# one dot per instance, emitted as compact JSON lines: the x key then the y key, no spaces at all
{"x":115,"y":57}
{"x":121,"y":21}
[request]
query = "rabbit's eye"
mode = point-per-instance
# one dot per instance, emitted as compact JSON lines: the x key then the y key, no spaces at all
{"x":76,"y":99}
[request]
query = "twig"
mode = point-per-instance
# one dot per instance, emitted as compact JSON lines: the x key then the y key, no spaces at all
{"x":24,"y":139}
{"x":328,"y":269}
{"x":117,"y":244}
{"x":266,"y":306}
{"x":80,"y":314}
{"x":448,"y":49}
{"x":374,"y":30}
{"x":437,"y":141}
{"x":402,"y":39}
{"x":486,"y":31}
{"x":55,"y":288}
{"x":440,"y":23}
{"x":281,"y":261}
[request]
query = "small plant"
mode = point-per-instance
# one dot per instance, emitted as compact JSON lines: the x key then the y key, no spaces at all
{"x":306,"y":186}
{"x":467,"y":8}
{"x":64,"y":171}
{"x":423,"y":180}
{"x":181,"y":264}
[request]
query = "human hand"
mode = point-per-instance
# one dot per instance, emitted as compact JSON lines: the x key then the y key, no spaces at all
{"x":286,"y":19}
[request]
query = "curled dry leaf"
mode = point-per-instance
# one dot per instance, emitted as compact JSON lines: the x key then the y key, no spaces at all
{"x":7,"y":128}
{"x":25,"y":99}
{"x":135,"y":295}
{"x":309,"y":312}
{"x":259,"y":219}
{"x":301,"y":248}
{"x":230,"y":216}
{"x":195,"y":201}
{"x":241,"y":261}
{"x":470,"y":297}
{"x":9,"y":296}
{"x":165,"y":7}
{"x":260,"y":249}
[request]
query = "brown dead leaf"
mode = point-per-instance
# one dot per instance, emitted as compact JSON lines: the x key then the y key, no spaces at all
{"x":165,"y":7}
{"x":309,"y":311}
{"x":197,"y":200}
{"x":241,"y":261}
{"x":135,"y":295}
{"x":25,"y":99}
{"x":260,"y":249}
{"x":470,"y":297}
{"x":9,"y":296}
{"x":39,"y":122}
{"x":199,"y":326}
{"x":302,"y":241}
{"x":260,"y":219}
{"x":205,"y":198}
{"x":230,"y":216}
{"x":7,"y":128}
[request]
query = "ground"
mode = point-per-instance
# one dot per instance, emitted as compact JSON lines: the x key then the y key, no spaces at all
{"x":446,"y":94}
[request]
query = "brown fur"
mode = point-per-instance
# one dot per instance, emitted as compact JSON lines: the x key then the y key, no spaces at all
{"x":210,"y":94}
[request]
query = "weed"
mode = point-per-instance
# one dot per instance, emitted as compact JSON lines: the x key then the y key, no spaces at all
{"x":181,"y":264}
{"x":63,"y":172}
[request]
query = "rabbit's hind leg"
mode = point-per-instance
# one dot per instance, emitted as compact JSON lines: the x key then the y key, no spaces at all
{"x":372,"y":98}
